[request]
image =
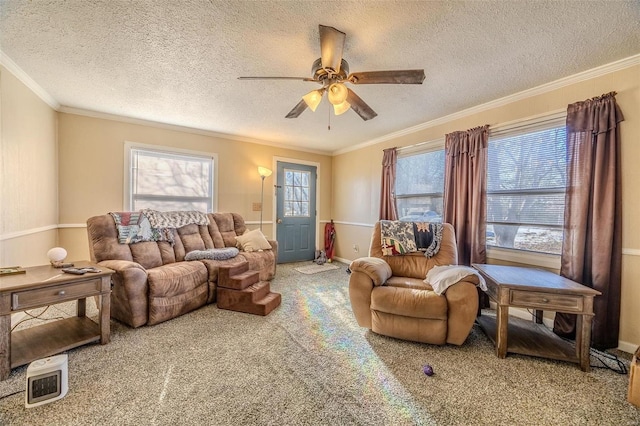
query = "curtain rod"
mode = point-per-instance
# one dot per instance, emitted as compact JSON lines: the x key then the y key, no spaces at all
{"x":502,"y":127}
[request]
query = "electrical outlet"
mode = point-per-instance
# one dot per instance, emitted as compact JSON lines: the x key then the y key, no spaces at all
{"x":257,"y":207}
{"x":356,"y":249}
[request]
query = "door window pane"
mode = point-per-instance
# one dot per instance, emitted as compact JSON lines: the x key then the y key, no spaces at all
{"x":296,"y":193}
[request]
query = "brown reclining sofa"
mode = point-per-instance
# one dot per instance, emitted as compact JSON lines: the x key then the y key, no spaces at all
{"x":153,"y":282}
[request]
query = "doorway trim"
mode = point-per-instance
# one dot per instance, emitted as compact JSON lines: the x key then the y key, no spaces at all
{"x":273,"y":193}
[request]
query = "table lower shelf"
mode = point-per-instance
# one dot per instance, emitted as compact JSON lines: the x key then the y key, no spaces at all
{"x":528,"y":338}
{"x":52,"y":338}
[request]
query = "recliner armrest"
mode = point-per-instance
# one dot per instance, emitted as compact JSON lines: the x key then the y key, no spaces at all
{"x":375,"y":268}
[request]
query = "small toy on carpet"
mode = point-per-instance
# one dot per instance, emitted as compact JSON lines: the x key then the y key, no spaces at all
{"x":428,"y":370}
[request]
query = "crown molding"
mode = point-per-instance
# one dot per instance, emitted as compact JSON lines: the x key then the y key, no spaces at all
{"x":19,"y":73}
{"x":185,"y":129}
{"x":544,"y":88}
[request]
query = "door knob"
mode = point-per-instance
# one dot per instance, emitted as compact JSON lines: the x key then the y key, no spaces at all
{"x":279,"y":220}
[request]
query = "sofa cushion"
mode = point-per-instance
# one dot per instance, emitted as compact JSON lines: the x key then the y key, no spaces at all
{"x":146,"y":254}
{"x":230,"y":226}
{"x":103,"y":240}
{"x":406,"y":282}
{"x":409,"y":302}
{"x":191,"y":238}
{"x":176,"y":278}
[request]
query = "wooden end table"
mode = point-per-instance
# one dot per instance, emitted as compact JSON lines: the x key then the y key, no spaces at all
{"x":539,"y":290}
{"x":45,"y":285}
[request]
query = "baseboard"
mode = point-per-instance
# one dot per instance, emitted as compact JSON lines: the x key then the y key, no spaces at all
{"x":627,"y":347}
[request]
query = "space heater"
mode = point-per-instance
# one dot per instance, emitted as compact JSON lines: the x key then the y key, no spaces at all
{"x":47,"y":380}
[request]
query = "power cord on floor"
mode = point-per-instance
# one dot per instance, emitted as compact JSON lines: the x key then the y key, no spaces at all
{"x":11,"y":394}
{"x":32,"y":317}
{"x":620,"y":366}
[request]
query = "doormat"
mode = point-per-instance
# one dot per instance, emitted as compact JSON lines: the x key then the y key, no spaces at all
{"x":314,"y":269}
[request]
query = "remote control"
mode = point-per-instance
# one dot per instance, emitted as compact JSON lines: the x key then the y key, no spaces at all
{"x":74,"y":271}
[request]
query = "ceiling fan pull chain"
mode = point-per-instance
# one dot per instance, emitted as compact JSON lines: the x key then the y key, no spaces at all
{"x":329,"y":126}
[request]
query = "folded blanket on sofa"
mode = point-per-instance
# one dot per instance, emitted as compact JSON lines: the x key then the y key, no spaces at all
{"x":442,"y":277}
{"x":175,"y":219}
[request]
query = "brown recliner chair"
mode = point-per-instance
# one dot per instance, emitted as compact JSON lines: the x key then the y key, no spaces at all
{"x":389,"y":297}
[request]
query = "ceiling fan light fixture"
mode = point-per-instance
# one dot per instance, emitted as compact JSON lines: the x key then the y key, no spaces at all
{"x":337,"y":93}
{"x":313,"y":98}
{"x":341,"y":108}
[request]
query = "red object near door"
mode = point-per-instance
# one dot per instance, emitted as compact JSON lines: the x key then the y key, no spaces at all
{"x":329,"y":238}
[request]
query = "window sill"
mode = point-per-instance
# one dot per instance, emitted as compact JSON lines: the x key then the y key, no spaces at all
{"x":542,"y":260}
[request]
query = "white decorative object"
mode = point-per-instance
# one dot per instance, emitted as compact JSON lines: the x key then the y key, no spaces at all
{"x":57,"y":255}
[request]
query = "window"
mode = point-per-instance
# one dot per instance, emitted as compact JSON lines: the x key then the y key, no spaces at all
{"x":420,"y":186}
{"x":526,"y":180}
{"x":296,"y":193}
{"x":168,"y":180}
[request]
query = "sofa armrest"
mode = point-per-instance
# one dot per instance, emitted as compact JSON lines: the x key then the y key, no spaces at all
{"x":274,"y":245}
{"x":129,"y":293}
{"x":462,"y":304}
{"x":366,"y":273}
{"x":375,"y":268}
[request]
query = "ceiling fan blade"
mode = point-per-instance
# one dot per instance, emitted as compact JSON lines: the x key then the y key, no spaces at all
{"x":360,"y":106}
{"x":297,"y":110}
{"x":278,"y":78}
{"x":388,"y":77}
{"x":331,"y":47}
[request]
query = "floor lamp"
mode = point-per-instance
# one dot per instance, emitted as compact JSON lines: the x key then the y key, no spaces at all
{"x":263,"y":172}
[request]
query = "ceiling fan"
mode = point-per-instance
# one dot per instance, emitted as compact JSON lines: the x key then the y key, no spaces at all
{"x":332,"y":71}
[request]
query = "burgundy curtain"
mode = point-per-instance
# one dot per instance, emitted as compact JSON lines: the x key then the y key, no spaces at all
{"x":388,"y":210}
{"x":465,"y":203}
{"x":592,"y":247}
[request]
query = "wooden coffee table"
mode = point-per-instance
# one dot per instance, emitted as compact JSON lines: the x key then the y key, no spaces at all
{"x":46,"y":285}
{"x":539,"y":290}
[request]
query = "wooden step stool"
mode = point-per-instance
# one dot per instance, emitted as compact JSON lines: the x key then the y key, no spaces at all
{"x":241,"y":290}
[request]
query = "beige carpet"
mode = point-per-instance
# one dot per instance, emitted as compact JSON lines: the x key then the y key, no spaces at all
{"x":308,"y":363}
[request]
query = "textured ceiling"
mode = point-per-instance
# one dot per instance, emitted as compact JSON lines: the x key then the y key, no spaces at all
{"x":177,"y":62}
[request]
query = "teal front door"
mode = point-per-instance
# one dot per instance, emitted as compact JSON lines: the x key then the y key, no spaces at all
{"x":296,"y":212}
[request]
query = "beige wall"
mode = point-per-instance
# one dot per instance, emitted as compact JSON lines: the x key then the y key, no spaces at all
{"x":357,"y":175}
{"x":28,"y":175}
{"x":92,"y":164}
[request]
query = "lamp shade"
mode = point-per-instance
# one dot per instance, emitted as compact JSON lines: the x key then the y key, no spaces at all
{"x":264,"y":172}
{"x":341,"y":108}
{"x":337,"y":93}
{"x":57,"y":254}
{"x":313,"y":98}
